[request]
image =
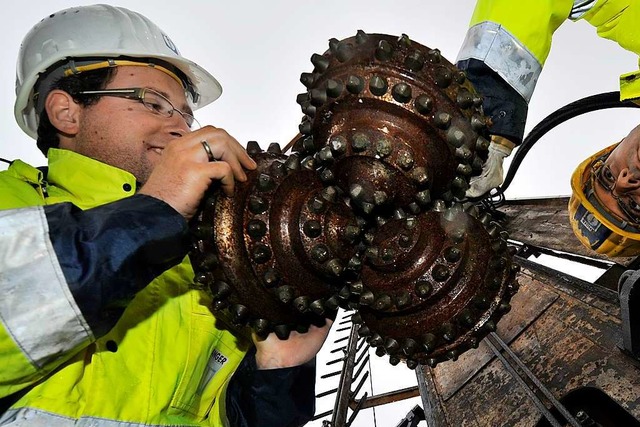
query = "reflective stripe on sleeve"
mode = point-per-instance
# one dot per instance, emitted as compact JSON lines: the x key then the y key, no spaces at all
{"x":36,"y":308}
{"x":29,"y":417}
{"x":580,"y":7}
{"x":503,"y":53}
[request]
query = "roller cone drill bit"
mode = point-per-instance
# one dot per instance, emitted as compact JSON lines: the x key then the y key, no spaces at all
{"x":365,"y":214}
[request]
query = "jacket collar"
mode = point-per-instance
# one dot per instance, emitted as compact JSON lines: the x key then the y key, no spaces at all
{"x":84,"y":181}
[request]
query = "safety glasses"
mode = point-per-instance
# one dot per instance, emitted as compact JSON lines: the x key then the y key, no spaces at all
{"x":156,"y":102}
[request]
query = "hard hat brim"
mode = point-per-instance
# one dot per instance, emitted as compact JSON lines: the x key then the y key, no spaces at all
{"x":207,"y":86}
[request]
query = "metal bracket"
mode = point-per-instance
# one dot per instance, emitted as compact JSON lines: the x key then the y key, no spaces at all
{"x":413,"y":418}
{"x":629,"y":292}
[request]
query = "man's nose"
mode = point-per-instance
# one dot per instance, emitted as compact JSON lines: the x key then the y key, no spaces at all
{"x":627,"y":180}
{"x":177,"y":125}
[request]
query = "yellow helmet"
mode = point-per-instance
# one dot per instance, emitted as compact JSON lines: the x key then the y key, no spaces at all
{"x":594,"y":225}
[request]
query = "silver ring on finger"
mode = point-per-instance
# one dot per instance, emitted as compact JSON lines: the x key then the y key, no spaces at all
{"x":207,"y":149}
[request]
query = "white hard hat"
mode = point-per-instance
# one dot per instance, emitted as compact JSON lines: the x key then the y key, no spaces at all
{"x":99,"y":32}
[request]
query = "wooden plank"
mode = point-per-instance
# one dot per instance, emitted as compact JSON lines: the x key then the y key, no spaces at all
{"x":526,"y":306}
{"x":545,"y":223}
{"x":571,"y":346}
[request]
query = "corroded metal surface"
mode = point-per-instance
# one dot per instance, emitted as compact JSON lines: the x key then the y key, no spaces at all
{"x":395,"y":122}
{"x":442,"y":290}
{"x":278,"y":245}
{"x":365,"y":213}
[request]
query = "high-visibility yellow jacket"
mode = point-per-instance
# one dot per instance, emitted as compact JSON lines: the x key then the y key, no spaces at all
{"x":167,"y":360}
{"x":513,"y":39}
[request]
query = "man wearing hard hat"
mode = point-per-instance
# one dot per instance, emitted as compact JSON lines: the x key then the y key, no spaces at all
{"x":85,"y":339}
{"x":503,"y":55}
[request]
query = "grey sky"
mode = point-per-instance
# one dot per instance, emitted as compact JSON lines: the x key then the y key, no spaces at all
{"x":258,"y":49}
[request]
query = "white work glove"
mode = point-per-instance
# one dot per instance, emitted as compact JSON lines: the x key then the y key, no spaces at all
{"x":491,"y":175}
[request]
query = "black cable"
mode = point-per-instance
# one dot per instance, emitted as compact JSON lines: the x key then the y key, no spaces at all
{"x":591,"y":103}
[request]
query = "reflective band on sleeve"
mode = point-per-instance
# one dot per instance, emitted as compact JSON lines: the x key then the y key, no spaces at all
{"x":499,"y":50}
{"x":31,"y":417}
{"x":36,"y":307}
{"x":580,"y":7}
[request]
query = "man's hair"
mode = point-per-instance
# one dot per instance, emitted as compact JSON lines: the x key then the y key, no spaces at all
{"x":73,"y":84}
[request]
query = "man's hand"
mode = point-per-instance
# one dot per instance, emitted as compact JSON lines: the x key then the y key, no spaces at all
{"x":272,"y":352}
{"x":184,"y":171}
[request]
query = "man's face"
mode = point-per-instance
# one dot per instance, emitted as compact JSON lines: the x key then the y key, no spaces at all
{"x":621,"y":173}
{"x":126,"y":134}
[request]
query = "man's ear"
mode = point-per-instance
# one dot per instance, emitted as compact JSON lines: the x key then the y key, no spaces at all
{"x":63,"y":112}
